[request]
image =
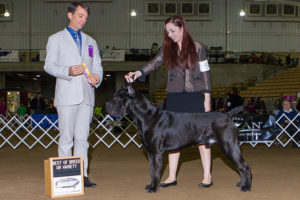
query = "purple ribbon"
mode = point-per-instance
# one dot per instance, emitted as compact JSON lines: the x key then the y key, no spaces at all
{"x":90,"y":50}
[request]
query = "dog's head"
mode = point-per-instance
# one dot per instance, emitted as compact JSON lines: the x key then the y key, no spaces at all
{"x":121,"y":101}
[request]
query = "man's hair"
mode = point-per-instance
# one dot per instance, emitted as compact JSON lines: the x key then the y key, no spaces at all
{"x":73,"y":6}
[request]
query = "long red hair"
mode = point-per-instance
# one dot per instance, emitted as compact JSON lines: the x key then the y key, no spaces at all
{"x":188,"y":54}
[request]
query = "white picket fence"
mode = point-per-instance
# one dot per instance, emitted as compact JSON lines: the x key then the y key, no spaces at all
{"x":104,"y":130}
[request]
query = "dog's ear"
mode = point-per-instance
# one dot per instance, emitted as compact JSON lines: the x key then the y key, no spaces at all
{"x":130,"y":90}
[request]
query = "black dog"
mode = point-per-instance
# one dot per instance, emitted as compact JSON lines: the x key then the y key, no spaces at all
{"x":162,"y":131}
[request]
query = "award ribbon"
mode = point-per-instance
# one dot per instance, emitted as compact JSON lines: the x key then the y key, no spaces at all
{"x":86,"y":72}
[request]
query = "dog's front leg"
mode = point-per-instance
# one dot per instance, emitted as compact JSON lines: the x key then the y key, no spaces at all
{"x":155,"y":162}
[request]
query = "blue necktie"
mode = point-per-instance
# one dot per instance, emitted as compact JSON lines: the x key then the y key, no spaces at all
{"x":77,"y":41}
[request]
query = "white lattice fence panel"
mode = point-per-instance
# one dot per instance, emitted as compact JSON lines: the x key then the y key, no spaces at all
{"x":288,"y":133}
{"x":17,"y":130}
{"x":109,"y":131}
{"x":283,"y":135}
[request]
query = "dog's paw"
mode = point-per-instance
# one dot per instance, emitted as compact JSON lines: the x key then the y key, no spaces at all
{"x":150,"y":189}
{"x":246,"y":188}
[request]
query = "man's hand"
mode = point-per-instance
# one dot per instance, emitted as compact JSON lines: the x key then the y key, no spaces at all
{"x":76,"y":70}
{"x":94,"y":79}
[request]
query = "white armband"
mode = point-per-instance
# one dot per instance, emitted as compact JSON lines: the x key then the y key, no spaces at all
{"x":204,"y":66}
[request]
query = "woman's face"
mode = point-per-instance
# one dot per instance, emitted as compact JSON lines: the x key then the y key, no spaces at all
{"x":286,"y":105}
{"x":174,"y":32}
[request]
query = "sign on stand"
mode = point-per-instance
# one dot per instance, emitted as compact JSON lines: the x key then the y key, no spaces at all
{"x":64,"y":176}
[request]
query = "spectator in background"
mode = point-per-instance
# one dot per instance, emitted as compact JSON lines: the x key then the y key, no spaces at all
{"x":286,"y":117}
{"x":221,"y":105}
{"x":260,"y":106}
{"x":279,"y":61}
{"x":97,"y":114}
{"x":250,"y":107}
{"x":298,"y":106}
{"x":52,"y":109}
{"x":154,"y":49}
{"x":38,"y":104}
{"x":2,"y":107}
{"x":227,"y":58}
{"x":21,"y":111}
{"x":260,"y":58}
{"x":278,"y":102}
{"x":98,"y":111}
{"x":235,"y":99}
{"x":288,"y":59}
{"x":253,"y":58}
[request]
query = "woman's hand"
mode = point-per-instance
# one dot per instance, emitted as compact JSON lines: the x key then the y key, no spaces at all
{"x":131,"y":76}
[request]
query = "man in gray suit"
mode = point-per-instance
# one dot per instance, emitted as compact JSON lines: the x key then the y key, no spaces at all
{"x":73,"y":58}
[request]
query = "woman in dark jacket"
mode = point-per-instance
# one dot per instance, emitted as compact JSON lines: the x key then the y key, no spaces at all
{"x":188,"y":88}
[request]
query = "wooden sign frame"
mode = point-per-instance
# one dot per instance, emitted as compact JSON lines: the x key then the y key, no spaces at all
{"x":64,"y":176}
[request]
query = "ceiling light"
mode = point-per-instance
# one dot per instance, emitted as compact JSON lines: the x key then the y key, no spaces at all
{"x":242,"y":13}
{"x":133,"y":13}
{"x":108,"y":75}
{"x":6,"y":13}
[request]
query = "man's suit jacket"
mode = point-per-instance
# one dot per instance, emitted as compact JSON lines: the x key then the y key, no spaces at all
{"x":62,"y":53}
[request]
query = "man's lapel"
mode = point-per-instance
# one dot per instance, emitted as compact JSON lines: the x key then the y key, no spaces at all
{"x":83,"y":47}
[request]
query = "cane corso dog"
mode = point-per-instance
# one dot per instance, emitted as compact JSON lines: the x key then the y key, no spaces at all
{"x":163,"y":131}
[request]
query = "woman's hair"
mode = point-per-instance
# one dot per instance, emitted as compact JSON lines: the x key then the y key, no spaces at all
{"x":188,"y":55}
{"x":73,"y":6}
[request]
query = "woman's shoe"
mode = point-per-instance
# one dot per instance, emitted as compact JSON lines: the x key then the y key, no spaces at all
{"x":203,"y":185}
{"x":164,"y":185}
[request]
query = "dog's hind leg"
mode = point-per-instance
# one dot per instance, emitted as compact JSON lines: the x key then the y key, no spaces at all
{"x":231,"y":149}
{"x":155,"y":161}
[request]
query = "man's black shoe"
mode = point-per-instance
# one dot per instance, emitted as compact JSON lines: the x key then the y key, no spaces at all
{"x":88,"y":183}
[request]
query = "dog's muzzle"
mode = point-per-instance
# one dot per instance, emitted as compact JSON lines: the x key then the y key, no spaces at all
{"x":114,"y":109}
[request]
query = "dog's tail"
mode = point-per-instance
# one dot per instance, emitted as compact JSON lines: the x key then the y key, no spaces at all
{"x":235,"y":111}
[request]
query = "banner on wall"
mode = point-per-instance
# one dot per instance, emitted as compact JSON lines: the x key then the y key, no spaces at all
{"x":9,"y":56}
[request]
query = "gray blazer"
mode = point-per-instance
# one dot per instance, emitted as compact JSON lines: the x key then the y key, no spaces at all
{"x":179,"y":78}
{"x":62,"y":53}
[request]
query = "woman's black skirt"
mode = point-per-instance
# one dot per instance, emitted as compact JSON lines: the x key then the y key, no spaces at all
{"x":186,"y":102}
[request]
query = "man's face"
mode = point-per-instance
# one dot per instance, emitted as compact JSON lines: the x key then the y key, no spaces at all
{"x":78,"y":19}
